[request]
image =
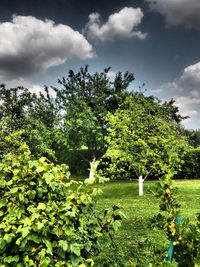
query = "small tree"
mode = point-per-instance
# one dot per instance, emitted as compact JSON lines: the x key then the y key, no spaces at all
{"x":140,"y":137}
{"x":86,"y":99}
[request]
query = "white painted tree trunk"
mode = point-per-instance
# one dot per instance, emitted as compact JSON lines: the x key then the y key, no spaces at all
{"x":93,"y":168}
{"x":141,"y":186}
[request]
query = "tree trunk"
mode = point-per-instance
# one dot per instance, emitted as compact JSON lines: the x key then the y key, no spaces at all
{"x":93,"y":168}
{"x":141,"y":186}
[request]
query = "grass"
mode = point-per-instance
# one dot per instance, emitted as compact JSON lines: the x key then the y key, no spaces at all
{"x":134,"y":232}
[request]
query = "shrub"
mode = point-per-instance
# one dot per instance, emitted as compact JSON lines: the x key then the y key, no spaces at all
{"x":45,"y":218}
{"x":184,"y":236}
{"x":73,"y":158}
{"x":191,"y":167}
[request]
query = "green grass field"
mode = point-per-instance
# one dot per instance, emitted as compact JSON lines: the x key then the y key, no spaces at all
{"x":134,"y":232}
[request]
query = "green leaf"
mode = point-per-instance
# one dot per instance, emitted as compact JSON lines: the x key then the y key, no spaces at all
{"x":2,"y":243}
{"x":41,"y":206}
{"x":8,"y":237}
{"x":75,"y":260}
{"x":63,"y":244}
{"x":76,"y":249}
{"x":25,"y":231}
{"x":39,"y":225}
{"x":48,"y":177}
{"x":45,"y":262}
{"x":10,"y":259}
{"x":40,"y":169}
{"x":48,"y":245}
{"x":33,"y":164}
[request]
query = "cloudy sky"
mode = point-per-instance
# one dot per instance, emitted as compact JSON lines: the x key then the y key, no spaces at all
{"x":157,"y":40}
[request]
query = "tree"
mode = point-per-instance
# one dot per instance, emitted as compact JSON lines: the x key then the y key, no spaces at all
{"x":14,"y":104}
{"x":193,"y":137}
{"x":172,"y":111}
{"x":86,"y":99}
{"x":35,"y":116}
{"x":141,"y":138}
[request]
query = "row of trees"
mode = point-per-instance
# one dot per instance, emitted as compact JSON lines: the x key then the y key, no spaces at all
{"x":87,"y":108}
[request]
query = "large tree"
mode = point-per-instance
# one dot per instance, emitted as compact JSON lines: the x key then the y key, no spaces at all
{"x":86,"y":99}
{"x":141,"y":138}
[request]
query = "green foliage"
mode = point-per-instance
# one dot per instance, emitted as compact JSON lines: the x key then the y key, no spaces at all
{"x":141,"y":137}
{"x":193,"y":137}
{"x":184,"y":236}
{"x":14,"y":102}
{"x":45,"y":218}
{"x":73,"y":158}
{"x":85,"y":100}
{"x":172,"y":111}
{"x":190,"y":166}
{"x":10,"y":140}
{"x":35,"y":116}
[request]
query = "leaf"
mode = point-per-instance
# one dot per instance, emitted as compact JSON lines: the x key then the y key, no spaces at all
{"x":40,"y":169}
{"x":10,"y":259}
{"x":13,"y":190}
{"x":90,"y":261}
{"x":48,"y":245}
{"x":3,"y":202}
{"x":8,"y":237}
{"x":41,"y":206}
{"x":63,"y":244}
{"x":76,"y":249}
{"x":75,"y":260}
{"x":48,"y":177}
{"x":45,"y":262}
{"x":25,"y":231}
{"x":2,"y":244}
{"x":21,"y":197}
{"x":30,"y":263}
{"x":35,"y":238}
{"x":42,"y":159}
{"x":33,"y":164}
{"x":39,"y":225}
{"x":16,"y":171}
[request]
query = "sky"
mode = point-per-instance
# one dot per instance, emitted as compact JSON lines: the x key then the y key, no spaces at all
{"x":157,"y":40}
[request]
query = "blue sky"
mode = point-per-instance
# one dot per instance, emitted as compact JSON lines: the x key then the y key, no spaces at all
{"x":157,"y":40}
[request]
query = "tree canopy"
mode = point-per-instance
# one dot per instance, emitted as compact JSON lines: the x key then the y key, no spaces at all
{"x":141,"y":138}
{"x":34,"y":116}
{"x":86,"y":99}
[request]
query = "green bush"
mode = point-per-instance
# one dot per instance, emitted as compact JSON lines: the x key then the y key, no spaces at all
{"x":184,"y":236}
{"x":73,"y":158}
{"x":45,"y":218}
{"x":191,"y":164}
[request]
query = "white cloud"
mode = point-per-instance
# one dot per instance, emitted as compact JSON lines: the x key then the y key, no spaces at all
{"x":169,"y":87}
{"x":178,"y":12}
{"x":29,"y":45}
{"x":186,"y":91}
{"x":33,"y":88}
{"x":188,"y":81}
{"x":191,"y":76}
{"x":188,"y":106}
{"x":119,"y":25}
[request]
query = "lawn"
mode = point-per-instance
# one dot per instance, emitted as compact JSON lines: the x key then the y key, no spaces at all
{"x":134,"y":241}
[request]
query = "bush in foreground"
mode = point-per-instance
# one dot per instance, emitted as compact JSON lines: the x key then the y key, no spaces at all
{"x":45,"y":218}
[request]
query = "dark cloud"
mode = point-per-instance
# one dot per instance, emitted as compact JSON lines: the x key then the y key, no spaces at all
{"x":178,"y":12}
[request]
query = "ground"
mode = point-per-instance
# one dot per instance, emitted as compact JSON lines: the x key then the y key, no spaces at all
{"x":134,"y":232}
